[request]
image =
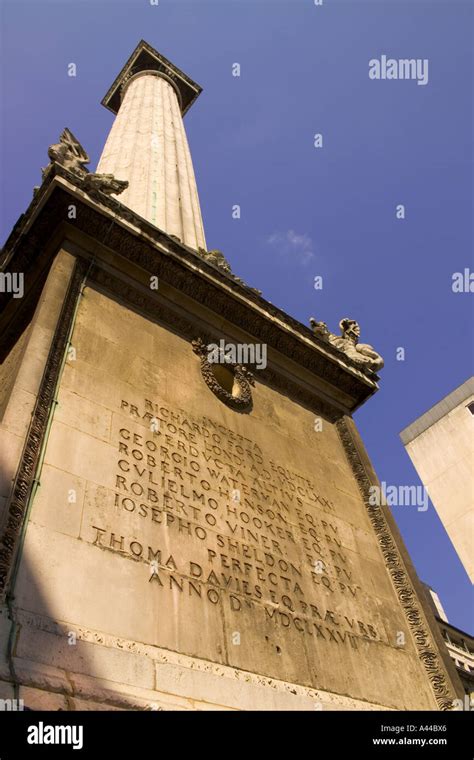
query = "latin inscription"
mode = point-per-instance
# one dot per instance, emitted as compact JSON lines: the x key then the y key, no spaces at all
{"x":225,"y":524}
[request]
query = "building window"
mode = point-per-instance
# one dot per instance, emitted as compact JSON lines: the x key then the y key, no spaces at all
{"x":471,"y":407}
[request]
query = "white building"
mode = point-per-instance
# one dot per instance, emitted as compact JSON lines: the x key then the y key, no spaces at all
{"x":440,"y":444}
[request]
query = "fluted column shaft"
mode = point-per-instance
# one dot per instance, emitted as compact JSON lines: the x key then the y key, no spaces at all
{"x":147,"y":146}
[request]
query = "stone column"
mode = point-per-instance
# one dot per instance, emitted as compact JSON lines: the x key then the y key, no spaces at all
{"x":147,"y":146}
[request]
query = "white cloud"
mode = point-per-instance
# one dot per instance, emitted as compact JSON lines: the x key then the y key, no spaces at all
{"x":297,"y":245}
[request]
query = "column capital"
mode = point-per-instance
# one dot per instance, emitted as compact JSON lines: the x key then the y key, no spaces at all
{"x":146,"y":58}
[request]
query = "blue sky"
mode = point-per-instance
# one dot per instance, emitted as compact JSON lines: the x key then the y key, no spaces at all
{"x":304,"y":211}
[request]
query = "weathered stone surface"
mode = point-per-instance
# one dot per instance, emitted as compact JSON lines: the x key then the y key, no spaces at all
{"x":27,"y":372}
{"x":156,"y":550}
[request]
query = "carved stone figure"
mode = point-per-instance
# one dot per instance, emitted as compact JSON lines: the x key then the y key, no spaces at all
{"x":320,"y":329}
{"x":217,"y":258}
{"x":104,"y":183}
{"x":350,"y":330}
{"x":70,"y":154}
{"x":348,"y":343}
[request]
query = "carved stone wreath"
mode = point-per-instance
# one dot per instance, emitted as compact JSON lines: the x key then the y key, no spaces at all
{"x":240,"y":398}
